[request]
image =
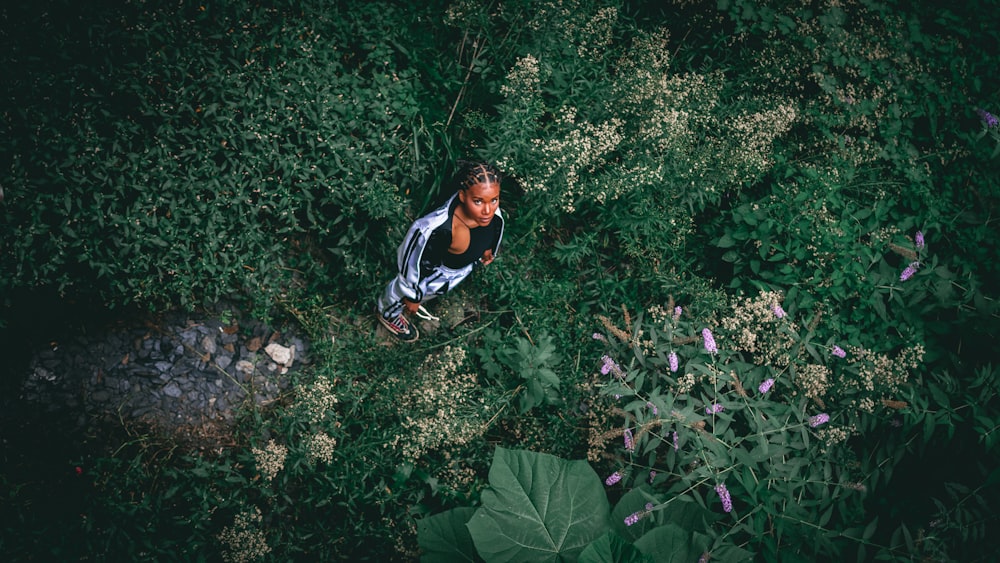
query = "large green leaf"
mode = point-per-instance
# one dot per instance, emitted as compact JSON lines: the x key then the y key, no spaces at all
{"x":672,"y":544}
{"x":444,"y":538}
{"x":538,"y":508}
{"x":611,"y":548}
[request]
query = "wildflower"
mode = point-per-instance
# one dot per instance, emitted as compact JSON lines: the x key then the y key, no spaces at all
{"x":710,"y":346}
{"x":818,"y":420}
{"x":78,"y":470}
{"x":988,"y":118}
{"x":613,"y":478}
{"x":629,"y":440}
{"x":705,"y":557}
{"x":599,"y":336}
{"x":673,"y":362}
{"x":778,"y":311}
{"x":715,"y":408}
{"x":918,"y":240}
{"x":677,"y":312}
{"x":652,"y":407}
{"x":638,"y":515}
{"x":652,"y":475}
{"x":727,"y":501}
{"x":609,"y":366}
{"x":839,"y":352}
{"x":909,"y":271}
{"x":766,"y":386}
{"x":676,"y":441}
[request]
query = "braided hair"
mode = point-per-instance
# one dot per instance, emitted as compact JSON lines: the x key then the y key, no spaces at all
{"x":478,"y":173}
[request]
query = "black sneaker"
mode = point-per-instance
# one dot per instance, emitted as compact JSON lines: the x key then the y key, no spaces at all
{"x":400,"y":328}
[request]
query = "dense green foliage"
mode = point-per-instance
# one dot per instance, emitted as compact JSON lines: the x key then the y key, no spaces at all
{"x":749,"y":278}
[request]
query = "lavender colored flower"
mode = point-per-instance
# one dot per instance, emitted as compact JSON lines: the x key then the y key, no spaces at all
{"x":766,"y":386}
{"x":673,"y":362}
{"x":677,"y":312}
{"x":714,"y":408}
{"x":918,"y":240}
{"x":649,"y":507}
{"x":710,"y":346}
{"x":613,"y":478}
{"x":819,"y":419}
{"x":988,"y":118}
{"x":629,"y":440}
{"x":909,"y":271}
{"x":778,"y":311}
{"x":677,"y":444}
{"x":609,"y":366}
{"x":652,"y":475}
{"x":653,"y":408}
{"x":632,"y":518}
{"x":705,"y":557}
{"x":598,"y":336}
{"x":727,"y":501}
{"x":838,"y":351}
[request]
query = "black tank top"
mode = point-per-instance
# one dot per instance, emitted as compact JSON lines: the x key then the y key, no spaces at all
{"x":480,"y":240}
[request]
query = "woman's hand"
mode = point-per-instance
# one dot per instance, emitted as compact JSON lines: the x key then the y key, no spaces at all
{"x":487,"y":257}
{"x":410,"y":306}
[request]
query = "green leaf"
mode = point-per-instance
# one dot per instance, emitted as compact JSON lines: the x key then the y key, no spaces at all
{"x":444,"y":537}
{"x":538,"y":508}
{"x":673,"y":544}
{"x":611,"y":548}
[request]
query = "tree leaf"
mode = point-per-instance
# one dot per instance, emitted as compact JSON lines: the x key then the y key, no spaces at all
{"x":538,"y":508}
{"x":444,"y":537}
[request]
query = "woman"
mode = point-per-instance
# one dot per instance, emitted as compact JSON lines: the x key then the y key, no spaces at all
{"x":442,"y":248}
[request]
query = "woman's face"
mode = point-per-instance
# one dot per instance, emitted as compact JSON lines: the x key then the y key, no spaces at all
{"x":480,"y":201}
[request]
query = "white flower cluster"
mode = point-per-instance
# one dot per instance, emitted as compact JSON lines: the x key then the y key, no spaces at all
{"x":444,"y":407}
{"x":321,"y":447}
{"x":754,"y":328}
{"x":270,"y":460}
{"x":317,"y":400}
{"x":244,"y":541}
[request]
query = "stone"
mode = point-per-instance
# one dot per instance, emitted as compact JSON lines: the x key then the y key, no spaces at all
{"x":172,"y":390}
{"x":208,"y":344}
{"x":253,"y":344}
{"x":244,"y":367}
{"x":223,"y":361}
{"x":280,"y":354}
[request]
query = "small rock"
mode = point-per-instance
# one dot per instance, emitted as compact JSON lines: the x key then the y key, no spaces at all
{"x":208,"y":344}
{"x":254,"y":344}
{"x":172,"y":390}
{"x":280,"y":354}
{"x":223,"y":361}
{"x":244,"y":367}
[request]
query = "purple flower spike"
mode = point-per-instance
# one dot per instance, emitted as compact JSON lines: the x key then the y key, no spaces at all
{"x":677,"y":444}
{"x":613,"y":478}
{"x":818,"y":420}
{"x":838,"y":351}
{"x":715,"y":408}
{"x":778,"y":311}
{"x":629,"y":440}
{"x":673,"y":362}
{"x":599,"y":336}
{"x":918,"y":240}
{"x":727,"y":501}
{"x":710,"y":346}
{"x":632,"y":518}
{"x":609,"y":366}
{"x":653,"y":408}
{"x":988,"y":118}
{"x":677,"y":312}
{"x":766,"y":386}
{"x":909,"y":271}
